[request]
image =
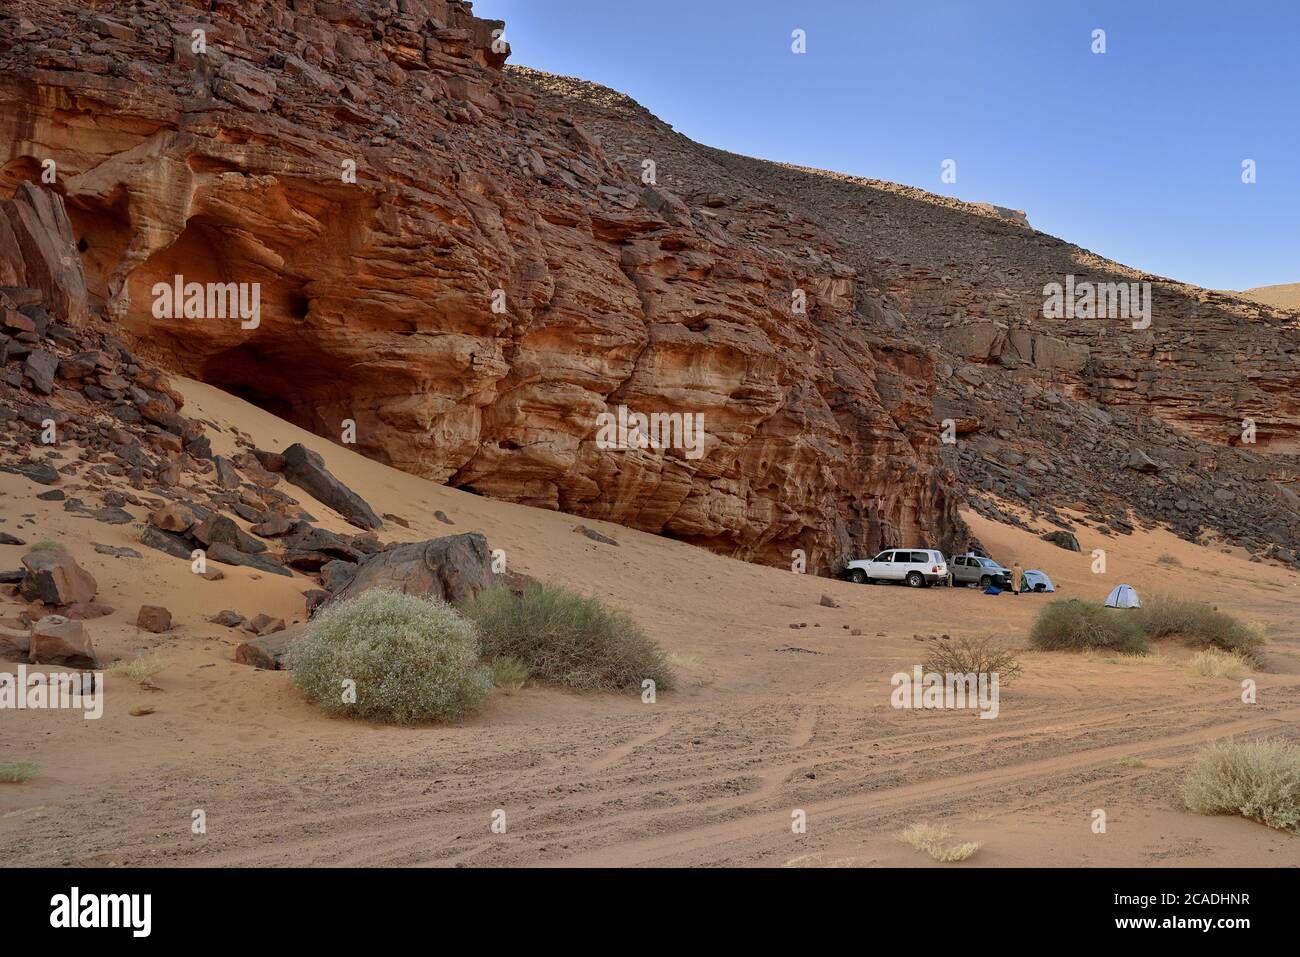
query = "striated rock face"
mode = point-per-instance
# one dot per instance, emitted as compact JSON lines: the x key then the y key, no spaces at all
{"x":468,"y":266}
{"x":488,"y":286}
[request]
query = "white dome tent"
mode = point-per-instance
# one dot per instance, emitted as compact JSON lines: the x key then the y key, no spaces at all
{"x":1123,"y":596}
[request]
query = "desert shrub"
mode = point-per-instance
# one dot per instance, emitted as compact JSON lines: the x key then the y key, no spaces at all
{"x":1221,"y":664}
{"x":1128,"y":761}
{"x":569,"y":639}
{"x":1199,"y":624}
{"x":412,"y":659}
{"x":930,"y":839}
{"x":1171,"y":560}
{"x":16,"y":772}
{"x":970,"y":655}
{"x":1259,"y":780}
{"x":1074,"y":625}
{"x":45,"y":545}
{"x":509,"y":673}
{"x":139,"y":670}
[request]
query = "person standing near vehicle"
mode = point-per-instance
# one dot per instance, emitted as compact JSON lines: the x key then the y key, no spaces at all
{"x":1017,"y":576}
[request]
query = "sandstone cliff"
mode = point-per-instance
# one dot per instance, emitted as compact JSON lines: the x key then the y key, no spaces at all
{"x":473,"y":263}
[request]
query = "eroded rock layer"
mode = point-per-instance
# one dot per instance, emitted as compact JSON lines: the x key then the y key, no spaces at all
{"x":378,"y":298}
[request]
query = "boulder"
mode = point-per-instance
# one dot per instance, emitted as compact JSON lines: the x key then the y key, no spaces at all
{"x":221,"y":529}
{"x":253,"y":469}
{"x":263,"y":624}
{"x":117,"y":551}
{"x":271,"y":461}
{"x":306,"y":469}
{"x":41,"y":367}
{"x":454,"y":568}
{"x":229,"y":555}
{"x":227,"y":474}
{"x":154,"y":618}
{"x":57,"y":640}
{"x":164,"y":541}
{"x":15,"y":645}
{"x":272,"y":525}
{"x":174,"y":517}
{"x":54,"y":577}
{"x":229,"y":618}
{"x":337,"y":573}
{"x":38,"y":472}
{"x":311,"y":548}
{"x":1063,"y":539}
{"x":270,"y":652}
{"x":1141,"y":462}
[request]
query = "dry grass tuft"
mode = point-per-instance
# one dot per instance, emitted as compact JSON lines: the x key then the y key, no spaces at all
{"x":140,"y":670}
{"x":1222,"y":664}
{"x":930,"y":839}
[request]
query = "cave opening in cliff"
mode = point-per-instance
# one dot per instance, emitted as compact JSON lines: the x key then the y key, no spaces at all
{"x":289,"y":387}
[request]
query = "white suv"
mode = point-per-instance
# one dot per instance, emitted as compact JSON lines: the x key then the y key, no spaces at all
{"x":915,"y":566}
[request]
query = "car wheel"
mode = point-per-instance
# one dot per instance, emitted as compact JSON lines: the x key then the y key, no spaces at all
{"x":915,"y":579}
{"x":985,"y":582}
{"x":858,"y":576}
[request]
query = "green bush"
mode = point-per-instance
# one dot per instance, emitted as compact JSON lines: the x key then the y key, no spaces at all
{"x":413,"y":660}
{"x":16,"y":772}
{"x":569,"y":639}
{"x":509,"y":673}
{"x":1259,"y":780}
{"x":1074,"y":625}
{"x":1198,"y":624}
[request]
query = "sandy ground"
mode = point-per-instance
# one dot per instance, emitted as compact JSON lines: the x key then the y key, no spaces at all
{"x":771,"y":719}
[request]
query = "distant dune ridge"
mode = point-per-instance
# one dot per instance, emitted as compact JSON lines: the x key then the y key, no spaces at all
{"x":1284,"y":295}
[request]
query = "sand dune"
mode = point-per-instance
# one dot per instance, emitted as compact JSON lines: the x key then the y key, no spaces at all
{"x":1283,"y":295}
{"x":770,"y":719}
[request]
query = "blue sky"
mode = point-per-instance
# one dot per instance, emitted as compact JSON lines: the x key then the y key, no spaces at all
{"x":1135,"y":153}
